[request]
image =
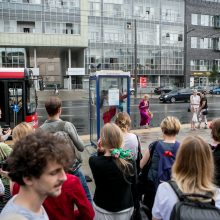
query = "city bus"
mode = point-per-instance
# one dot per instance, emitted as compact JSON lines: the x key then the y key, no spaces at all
{"x":18,"y":97}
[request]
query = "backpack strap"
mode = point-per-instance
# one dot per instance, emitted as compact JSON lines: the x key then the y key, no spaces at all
{"x":139,"y":148}
{"x":61,"y":125}
{"x":152,"y":148}
{"x":176,"y":189}
{"x":181,"y":196}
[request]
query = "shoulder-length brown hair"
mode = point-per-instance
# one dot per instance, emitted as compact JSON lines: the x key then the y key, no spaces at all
{"x":193,"y":169}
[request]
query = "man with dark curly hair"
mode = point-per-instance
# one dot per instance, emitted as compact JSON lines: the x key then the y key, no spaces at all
{"x":37,"y":164}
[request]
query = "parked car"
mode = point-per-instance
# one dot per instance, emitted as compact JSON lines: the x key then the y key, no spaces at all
{"x":176,"y":95}
{"x":163,"y":90}
{"x":198,"y":88}
{"x":216,"y":90}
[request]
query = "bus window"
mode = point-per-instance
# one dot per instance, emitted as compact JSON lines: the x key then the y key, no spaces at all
{"x":31,"y":98}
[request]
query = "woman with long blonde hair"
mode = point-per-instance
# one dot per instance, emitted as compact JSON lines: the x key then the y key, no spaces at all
{"x":21,"y":130}
{"x":112,"y":173}
{"x":193,"y":172}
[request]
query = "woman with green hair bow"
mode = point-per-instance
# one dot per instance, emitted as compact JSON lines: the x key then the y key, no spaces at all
{"x":113,"y":174}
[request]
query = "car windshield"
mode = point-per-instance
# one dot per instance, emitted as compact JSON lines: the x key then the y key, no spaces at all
{"x":173,"y":91}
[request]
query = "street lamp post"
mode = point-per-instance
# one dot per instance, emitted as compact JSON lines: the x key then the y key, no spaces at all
{"x":135,"y":57}
{"x":186,"y":32}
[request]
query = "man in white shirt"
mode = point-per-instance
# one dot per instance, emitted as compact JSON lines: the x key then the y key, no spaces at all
{"x":194,"y":105}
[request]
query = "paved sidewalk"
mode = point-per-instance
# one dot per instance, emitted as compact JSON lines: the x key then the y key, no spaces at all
{"x":146,"y":137}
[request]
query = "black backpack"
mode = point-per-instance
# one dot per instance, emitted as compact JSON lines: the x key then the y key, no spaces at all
{"x":59,"y":131}
{"x":188,"y":209}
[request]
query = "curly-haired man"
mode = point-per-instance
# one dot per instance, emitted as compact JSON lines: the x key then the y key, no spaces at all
{"x":37,"y":164}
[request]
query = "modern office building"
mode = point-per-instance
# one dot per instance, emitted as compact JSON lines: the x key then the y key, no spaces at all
{"x":137,"y":35}
{"x":64,"y":40}
{"x":202,"y":19}
{"x":49,"y":36}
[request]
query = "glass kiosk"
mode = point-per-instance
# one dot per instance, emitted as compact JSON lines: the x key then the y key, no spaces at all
{"x":108,"y":95}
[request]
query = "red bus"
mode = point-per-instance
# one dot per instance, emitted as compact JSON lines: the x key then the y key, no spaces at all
{"x":18,"y":97}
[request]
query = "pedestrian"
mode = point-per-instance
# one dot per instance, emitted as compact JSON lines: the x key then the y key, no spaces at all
{"x":112,"y":173}
{"x":21,"y":130}
{"x":170,"y":127}
{"x":145,"y":113}
{"x":194,"y":156}
{"x":54,"y":124}
{"x":108,"y":111}
{"x":37,"y":164}
{"x":123,"y":120}
{"x":5,"y":151}
{"x":215,"y":133}
{"x":203,"y":110}
{"x":56,"y":91}
{"x":72,"y":194}
{"x":194,"y":105}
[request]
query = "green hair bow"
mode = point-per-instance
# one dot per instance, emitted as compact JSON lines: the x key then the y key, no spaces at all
{"x":123,"y":154}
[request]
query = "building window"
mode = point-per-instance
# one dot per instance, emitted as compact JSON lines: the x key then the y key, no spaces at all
{"x":180,"y":37}
{"x":201,"y":65}
{"x":205,"y":20}
{"x":194,"y":19}
{"x":217,"y":21}
{"x":193,"y":42}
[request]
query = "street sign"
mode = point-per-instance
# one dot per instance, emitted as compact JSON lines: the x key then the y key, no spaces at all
{"x":15,"y":108}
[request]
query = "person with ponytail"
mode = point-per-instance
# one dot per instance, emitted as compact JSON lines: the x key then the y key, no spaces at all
{"x":123,"y":121}
{"x":112,"y":173}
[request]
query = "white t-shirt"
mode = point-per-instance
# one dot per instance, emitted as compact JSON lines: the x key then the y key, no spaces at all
{"x":131,"y":143}
{"x":195,"y":101}
{"x":11,"y":208}
{"x":165,"y":200}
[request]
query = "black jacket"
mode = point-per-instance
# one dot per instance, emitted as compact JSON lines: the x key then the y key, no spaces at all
{"x":216,"y":155}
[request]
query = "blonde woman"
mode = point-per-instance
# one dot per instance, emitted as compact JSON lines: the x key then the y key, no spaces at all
{"x":112,"y":173}
{"x":146,"y":115}
{"x":170,"y":127}
{"x":193,"y":172}
{"x":21,"y":130}
{"x":123,"y":121}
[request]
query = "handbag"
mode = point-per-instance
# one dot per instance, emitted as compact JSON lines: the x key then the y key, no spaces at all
{"x":142,"y":177}
{"x":150,"y":114}
{"x":141,"y":213}
{"x":189,"y":109}
{"x":205,"y":112}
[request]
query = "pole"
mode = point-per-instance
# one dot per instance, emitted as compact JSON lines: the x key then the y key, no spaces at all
{"x":184,"y":56}
{"x":135,"y":57}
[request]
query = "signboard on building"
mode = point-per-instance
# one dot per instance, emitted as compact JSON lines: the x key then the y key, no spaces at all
{"x":201,"y":73}
{"x":75,"y":72}
{"x":143,"y":82}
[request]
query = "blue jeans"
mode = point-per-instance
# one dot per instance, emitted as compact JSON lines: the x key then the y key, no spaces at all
{"x":82,"y":179}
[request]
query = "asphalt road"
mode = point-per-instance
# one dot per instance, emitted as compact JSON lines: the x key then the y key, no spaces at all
{"x":77,"y":112}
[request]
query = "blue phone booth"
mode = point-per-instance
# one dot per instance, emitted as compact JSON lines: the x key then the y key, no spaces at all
{"x":109,"y":93}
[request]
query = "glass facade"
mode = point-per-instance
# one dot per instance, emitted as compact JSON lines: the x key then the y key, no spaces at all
{"x":38,"y":16}
{"x":12,"y":57}
{"x":159,"y":37}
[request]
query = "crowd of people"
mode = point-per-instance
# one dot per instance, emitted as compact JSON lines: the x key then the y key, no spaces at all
{"x":44,"y":179}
